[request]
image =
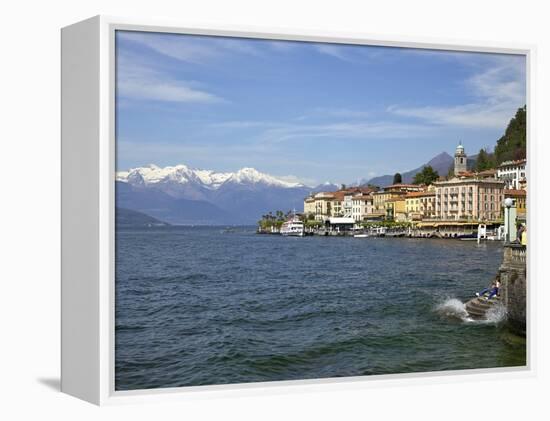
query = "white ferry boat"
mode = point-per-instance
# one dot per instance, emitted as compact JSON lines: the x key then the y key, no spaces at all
{"x":293,"y":227}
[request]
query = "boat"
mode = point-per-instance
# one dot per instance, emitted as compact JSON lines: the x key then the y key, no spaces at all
{"x":293,"y":227}
{"x":360,"y":235}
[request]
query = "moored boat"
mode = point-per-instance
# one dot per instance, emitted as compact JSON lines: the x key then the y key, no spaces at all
{"x":293,"y":227}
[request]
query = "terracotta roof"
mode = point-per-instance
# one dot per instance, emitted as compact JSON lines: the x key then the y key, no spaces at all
{"x":491,"y":171}
{"x":365,"y":197}
{"x":419,"y":194}
{"x":396,"y":199}
{"x":338,"y":195}
{"x":394,"y":192}
{"x":323,"y":196}
{"x":513,"y":192}
{"x":417,"y":186}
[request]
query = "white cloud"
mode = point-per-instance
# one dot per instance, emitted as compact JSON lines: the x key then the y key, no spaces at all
{"x":135,"y":81}
{"x":332,"y":50}
{"x":498,"y":92}
{"x":468,"y":115}
{"x":346,"y":130}
{"x":340,"y":113}
{"x":273,"y":132}
{"x":283,"y":46}
{"x":190,"y":48}
{"x":165,"y":90}
{"x":295,"y":179}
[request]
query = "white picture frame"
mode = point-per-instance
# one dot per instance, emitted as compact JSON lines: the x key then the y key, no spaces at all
{"x":88,"y":173}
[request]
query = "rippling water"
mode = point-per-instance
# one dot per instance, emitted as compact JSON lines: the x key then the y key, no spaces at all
{"x":197,"y":306}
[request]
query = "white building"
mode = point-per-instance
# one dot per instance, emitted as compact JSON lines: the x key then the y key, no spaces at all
{"x":513,"y":173}
{"x":361,"y":207}
{"x":347,"y":205}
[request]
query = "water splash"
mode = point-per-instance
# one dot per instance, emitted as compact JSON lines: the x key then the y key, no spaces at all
{"x":453,"y":308}
{"x":495,"y":314}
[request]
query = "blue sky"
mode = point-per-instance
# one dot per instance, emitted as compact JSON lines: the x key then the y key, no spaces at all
{"x":305,"y":111}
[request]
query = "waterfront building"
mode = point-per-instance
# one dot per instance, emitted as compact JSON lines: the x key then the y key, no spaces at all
{"x":520,"y":201}
{"x":395,"y":209}
{"x":339,"y":224}
{"x":322,"y":205}
{"x":461,"y":159}
{"x":513,"y":173}
{"x":336,"y":204}
{"x":470,"y":198}
{"x":379,"y":199}
{"x":420,"y":205}
{"x":340,"y":203}
{"x":309,"y":206}
{"x":361,"y":207}
{"x":390,"y":192}
{"x":347,"y":204}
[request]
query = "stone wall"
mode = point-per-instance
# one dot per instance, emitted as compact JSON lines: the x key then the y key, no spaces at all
{"x":513,"y":277}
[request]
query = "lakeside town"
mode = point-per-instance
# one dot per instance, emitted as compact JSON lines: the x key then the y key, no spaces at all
{"x":464,"y":204}
{"x":467,"y":205}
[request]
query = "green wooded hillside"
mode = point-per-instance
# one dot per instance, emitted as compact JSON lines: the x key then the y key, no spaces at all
{"x":513,"y":145}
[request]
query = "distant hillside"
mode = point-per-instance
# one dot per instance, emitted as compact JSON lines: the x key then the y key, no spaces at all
{"x":189,"y":196}
{"x":441,"y":163}
{"x":131,"y":218}
{"x":513,"y":145}
{"x":160,"y":205}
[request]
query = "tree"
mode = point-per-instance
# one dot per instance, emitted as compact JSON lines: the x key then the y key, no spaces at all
{"x":427,"y":176}
{"x":397,"y":178}
{"x":513,"y":145}
{"x":484,"y":161}
{"x":342,"y":187}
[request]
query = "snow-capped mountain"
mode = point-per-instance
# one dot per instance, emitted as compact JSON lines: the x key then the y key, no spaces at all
{"x":180,"y":194}
{"x":182,"y":174}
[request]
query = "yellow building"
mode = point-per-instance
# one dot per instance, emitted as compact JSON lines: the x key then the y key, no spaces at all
{"x":380,"y":198}
{"x":520,"y":201}
{"x":420,"y":205}
{"x":309,"y":206}
{"x":395,"y":209}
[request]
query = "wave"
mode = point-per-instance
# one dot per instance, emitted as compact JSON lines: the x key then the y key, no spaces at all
{"x":453,"y":308}
{"x":496,"y":314}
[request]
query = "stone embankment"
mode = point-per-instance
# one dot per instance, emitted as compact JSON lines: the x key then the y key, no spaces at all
{"x":512,"y":294}
{"x":479,"y":307}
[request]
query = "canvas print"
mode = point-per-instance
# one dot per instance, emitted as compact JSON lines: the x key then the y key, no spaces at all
{"x":300,"y":210}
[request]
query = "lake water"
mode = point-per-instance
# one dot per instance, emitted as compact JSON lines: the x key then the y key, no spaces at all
{"x":198,"y":306}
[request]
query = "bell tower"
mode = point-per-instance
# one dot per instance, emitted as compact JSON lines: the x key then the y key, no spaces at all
{"x":460,"y":159}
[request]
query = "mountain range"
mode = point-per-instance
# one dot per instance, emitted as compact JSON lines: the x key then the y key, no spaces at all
{"x":441,"y":163}
{"x":132,"y":218}
{"x":183,"y":195}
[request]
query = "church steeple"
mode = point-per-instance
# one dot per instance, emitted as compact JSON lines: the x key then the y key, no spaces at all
{"x":460,"y":159}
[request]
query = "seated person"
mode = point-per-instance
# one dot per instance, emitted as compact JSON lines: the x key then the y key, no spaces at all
{"x":486,"y":290}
